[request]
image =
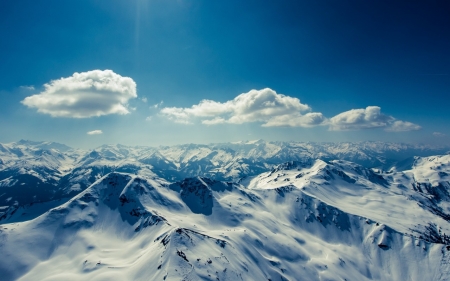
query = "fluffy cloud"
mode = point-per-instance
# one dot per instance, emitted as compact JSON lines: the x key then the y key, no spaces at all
{"x":403,"y":126}
{"x":276,"y":110}
{"x":85,"y":94}
{"x":369,"y":118}
{"x":310,"y":119}
{"x":356,"y":119}
{"x":264,"y":106}
{"x":95,"y":132}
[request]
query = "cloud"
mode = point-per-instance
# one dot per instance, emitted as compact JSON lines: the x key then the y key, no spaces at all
{"x":144,"y":99}
{"x":84,"y":95}
{"x":29,"y":88}
{"x":158,"y":105}
{"x":439,"y":134}
{"x":403,"y":126}
{"x":357,"y":119}
{"x":276,"y":110}
{"x":264,"y":106}
{"x":369,"y":118}
{"x":95,"y":132}
{"x":310,"y":119}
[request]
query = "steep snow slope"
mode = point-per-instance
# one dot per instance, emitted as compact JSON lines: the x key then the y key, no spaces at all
{"x":125,"y":227}
{"x":414,"y":201}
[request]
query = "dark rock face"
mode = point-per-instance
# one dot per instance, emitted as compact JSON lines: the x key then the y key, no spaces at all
{"x":197,"y":195}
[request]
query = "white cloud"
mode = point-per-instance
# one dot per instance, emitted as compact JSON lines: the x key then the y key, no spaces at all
{"x":157,"y":105}
{"x":369,"y":118}
{"x":310,"y":119}
{"x":95,"y":132}
{"x":176,"y":114}
{"x":276,"y":110}
{"x":144,"y":99}
{"x":439,"y":134}
{"x":29,"y":88}
{"x":84,"y":95}
{"x":149,"y":118}
{"x":264,"y":106}
{"x":403,"y":126}
{"x":357,"y":119}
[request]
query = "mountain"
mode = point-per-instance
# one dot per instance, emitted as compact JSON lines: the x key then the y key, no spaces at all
{"x":413,"y":201}
{"x":46,"y":172}
{"x":300,"y":220}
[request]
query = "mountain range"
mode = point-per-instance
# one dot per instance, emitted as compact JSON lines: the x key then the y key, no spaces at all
{"x":251,"y":210}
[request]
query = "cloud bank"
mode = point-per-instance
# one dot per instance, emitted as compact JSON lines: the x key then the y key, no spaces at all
{"x":276,"y":110}
{"x":265,"y":106}
{"x":95,"y":132}
{"x":84,"y":95}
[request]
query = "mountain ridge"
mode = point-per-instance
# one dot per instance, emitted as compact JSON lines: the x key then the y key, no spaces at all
{"x":149,"y":231}
{"x":63,"y":174}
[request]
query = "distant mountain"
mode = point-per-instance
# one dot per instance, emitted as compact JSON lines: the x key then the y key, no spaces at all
{"x":35,"y":172}
{"x":305,"y":219}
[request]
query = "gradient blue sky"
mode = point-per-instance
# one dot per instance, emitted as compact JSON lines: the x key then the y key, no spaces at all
{"x":332,"y":55}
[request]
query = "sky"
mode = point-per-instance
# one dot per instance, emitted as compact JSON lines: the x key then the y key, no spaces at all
{"x":165,"y":72}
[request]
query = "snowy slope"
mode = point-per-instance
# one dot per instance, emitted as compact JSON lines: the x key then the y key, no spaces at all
{"x":43,"y":172}
{"x":30,"y":173}
{"x":328,"y":221}
{"x":390,"y":198}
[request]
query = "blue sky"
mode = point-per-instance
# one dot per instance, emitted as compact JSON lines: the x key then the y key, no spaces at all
{"x":276,"y":70}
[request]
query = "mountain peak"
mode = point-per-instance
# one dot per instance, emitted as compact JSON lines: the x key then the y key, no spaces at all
{"x":44,"y":145}
{"x":256,"y":142}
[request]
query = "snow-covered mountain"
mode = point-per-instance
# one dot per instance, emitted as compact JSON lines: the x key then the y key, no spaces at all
{"x":36,"y":172}
{"x":301,"y":220}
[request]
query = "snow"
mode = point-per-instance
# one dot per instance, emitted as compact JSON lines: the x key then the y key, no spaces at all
{"x":125,"y":227}
{"x":119,"y":218}
{"x":358,"y":190}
